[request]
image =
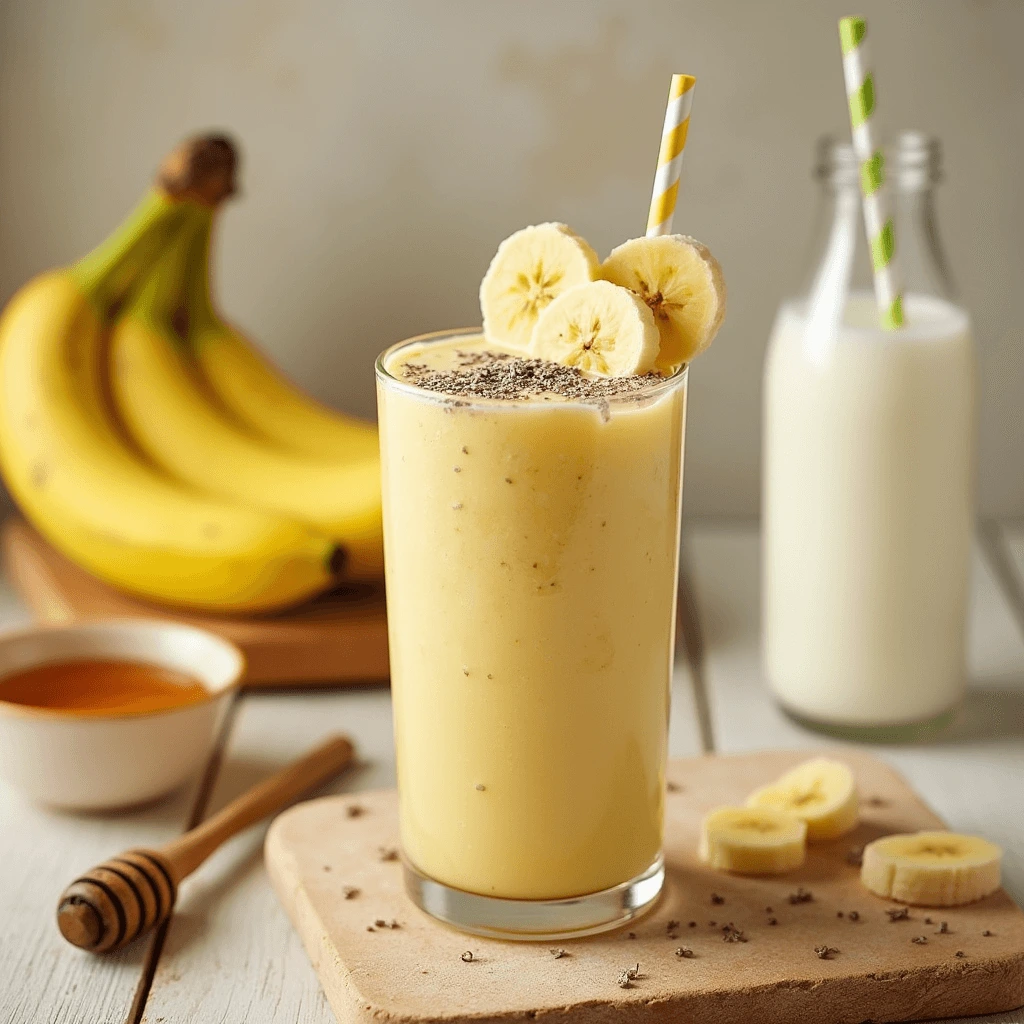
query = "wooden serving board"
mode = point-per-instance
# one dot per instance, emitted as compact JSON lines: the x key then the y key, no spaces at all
{"x":341,"y":638}
{"x":414,"y":973}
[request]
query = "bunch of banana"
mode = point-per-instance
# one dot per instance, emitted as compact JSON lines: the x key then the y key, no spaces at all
{"x":654,"y":304}
{"x":240,"y":518}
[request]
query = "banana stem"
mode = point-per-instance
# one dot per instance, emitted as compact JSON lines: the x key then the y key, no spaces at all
{"x":163,"y":295}
{"x":109,"y":274}
{"x":198,"y":293}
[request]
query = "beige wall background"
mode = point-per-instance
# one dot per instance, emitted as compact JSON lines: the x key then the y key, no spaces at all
{"x":389,"y":146}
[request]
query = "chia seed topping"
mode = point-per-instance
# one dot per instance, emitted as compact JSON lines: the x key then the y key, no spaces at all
{"x":500,"y":375}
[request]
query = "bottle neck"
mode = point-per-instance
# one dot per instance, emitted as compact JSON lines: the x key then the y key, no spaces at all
{"x":839,"y":251}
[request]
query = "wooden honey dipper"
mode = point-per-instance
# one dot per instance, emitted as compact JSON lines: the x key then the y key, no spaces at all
{"x":127,"y":896}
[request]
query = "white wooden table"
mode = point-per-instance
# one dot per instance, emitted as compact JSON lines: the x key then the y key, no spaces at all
{"x":231,"y":956}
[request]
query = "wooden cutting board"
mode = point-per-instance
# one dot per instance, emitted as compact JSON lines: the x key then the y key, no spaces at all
{"x":414,"y":973}
{"x":341,"y":638}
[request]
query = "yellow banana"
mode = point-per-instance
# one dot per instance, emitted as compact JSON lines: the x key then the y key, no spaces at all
{"x":256,"y":393}
{"x":87,"y":492}
{"x":160,"y":397}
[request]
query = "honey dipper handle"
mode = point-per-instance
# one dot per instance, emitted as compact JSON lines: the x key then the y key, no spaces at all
{"x":126,"y":896}
{"x":188,"y":851}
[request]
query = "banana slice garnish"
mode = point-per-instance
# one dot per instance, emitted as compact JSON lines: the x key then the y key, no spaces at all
{"x":529,"y":271}
{"x":752,"y":840}
{"x":931,"y":869}
{"x":820,"y":792}
{"x":681,"y":282}
{"x":598,"y":328}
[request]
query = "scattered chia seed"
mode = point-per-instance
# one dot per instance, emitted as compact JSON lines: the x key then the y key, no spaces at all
{"x":627,"y":977}
{"x":773,"y":921}
{"x":716,"y":899}
{"x":960,"y":953}
{"x":987,"y":933}
{"x":768,"y":910}
{"x":927,"y":920}
{"x":685,"y":953}
{"x":943,"y":928}
{"x":349,"y":892}
{"x":899,"y":914}
{"x":370,"y":928}
{"x":855,"y":856}
{"x":854,"y":915}
{"x":921,"y":940}
{"x":558,"y":953}
{"x":825,"y":952}
{"x":630,"y":935}
{"x":354,"y":810}
{"x":801,"y":895}
{"x":500,"y":375}
{"x":672,"y":926}
{"x":467,"y":957}
{"x":387,"y":853}
{"x":673,"y":787}
{"x":465,"y":450}
{"x":693,"y":924}
{"x":712,"y":924}
{"x":730,"y":933}
{"x":839,"y":913}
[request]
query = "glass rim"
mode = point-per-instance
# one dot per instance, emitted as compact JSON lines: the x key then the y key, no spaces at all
{"x":387,"y":378}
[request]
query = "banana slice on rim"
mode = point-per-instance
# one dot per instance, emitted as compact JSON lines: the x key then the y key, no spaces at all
{"x":931,"y":869}
{"x":752,"y":840}
{"x":530,"y":269}
{"x":598,"y":328}
{"x":682,"y":283}
{"x":820,"y":792}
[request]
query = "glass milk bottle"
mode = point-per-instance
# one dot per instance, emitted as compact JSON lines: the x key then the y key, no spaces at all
{"x":869,"y":472}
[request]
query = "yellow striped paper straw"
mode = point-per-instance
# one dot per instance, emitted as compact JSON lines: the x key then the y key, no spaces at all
{"x":860,"y":91}
{"x":670,"y":159}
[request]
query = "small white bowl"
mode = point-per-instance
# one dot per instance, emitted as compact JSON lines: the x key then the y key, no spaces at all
{"x":99,"y":762}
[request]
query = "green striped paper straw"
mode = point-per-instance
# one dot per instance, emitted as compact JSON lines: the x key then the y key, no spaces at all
{"x":860,"y":90}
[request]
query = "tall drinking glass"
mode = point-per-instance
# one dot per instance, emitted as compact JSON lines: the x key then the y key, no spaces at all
{"x":531,"y":551}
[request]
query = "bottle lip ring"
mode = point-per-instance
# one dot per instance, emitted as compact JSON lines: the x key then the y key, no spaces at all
{"x":913,"y":160}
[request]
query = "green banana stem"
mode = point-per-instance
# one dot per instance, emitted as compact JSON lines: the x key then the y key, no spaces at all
{"x":114,"y":269}
{"x":163,"y":298}
{"x":199,"y":300}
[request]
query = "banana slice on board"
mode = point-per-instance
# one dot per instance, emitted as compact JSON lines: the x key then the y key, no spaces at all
{"x":682,"y":283}
{"x":530,"y":269}
{"x":752,"y":840}
{"x":820,"y":792}
{"x":598,"y":328}
{"x":931,"y":869}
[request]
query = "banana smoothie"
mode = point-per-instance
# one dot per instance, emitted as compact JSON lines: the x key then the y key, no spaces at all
{"x":531,"y":557}
{"x":531,"y":482}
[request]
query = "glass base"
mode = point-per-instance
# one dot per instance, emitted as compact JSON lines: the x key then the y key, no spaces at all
{"x":904,"y":732}
{"x":536,"y":920}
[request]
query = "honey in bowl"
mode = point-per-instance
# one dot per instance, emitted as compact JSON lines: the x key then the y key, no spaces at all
{"x":102,"y":687}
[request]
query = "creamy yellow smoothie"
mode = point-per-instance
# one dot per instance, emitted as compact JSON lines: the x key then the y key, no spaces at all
{"x":531,"y":543}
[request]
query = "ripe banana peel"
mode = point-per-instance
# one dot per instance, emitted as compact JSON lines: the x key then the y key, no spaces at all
{"x":177,"y":421}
